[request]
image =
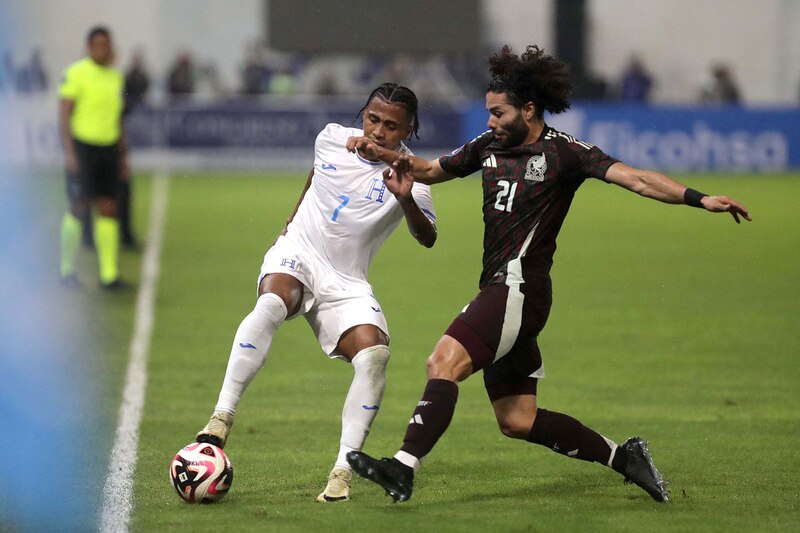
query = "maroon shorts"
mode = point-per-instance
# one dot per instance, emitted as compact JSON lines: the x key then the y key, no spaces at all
{"x":499,"y":329}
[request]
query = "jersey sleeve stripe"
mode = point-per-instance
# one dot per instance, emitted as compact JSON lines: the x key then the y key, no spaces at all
{"x":429,"y":215}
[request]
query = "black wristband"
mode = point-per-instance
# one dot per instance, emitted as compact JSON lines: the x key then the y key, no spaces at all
{"x":693,"y":197}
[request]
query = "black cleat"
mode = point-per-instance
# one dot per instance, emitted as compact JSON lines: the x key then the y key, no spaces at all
{"x":130,"y":243}
{"x":637,"y":466}
{"x":116,"y":285}
{"x":396,"y":478}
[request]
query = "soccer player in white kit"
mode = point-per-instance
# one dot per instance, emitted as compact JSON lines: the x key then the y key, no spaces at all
{"x":318,"y":268}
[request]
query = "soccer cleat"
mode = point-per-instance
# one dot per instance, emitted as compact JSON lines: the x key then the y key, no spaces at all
{"x":71,"y":281}
{"x":638,"y":468}
{"x":338,"y":488}
{"x":130,"y":242}
{"x":116,"y":285}
{"x":217,"y":430}
{"x":396,"y":478}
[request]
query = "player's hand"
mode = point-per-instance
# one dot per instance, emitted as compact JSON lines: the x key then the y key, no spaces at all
{"x":365,"y":146}
{"x":399,"y":179}
{"x":722,"y":204}
{"x":124,"y":170}
{"x":70,"y":162}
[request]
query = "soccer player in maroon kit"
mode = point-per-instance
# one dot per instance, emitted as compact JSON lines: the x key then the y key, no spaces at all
{"x":530,"y":175}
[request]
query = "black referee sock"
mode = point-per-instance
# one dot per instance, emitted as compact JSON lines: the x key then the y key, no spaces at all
{"x":431,"y":417}
{"x":565,"y":435}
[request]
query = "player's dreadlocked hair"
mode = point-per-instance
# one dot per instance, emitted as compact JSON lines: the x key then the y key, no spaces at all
{"x":533,"y":77}
{"x":402,"y":96}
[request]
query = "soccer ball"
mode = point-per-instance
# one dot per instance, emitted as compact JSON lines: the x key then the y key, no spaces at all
{"x":201,"y":473}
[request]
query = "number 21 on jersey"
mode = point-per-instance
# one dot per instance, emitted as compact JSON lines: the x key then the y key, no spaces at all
{"x":505,"y":195}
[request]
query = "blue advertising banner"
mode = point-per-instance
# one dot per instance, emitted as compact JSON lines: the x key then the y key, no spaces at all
{"x":728,"y":139}
{"x":256,"y":125}
{"x":680,"y":138}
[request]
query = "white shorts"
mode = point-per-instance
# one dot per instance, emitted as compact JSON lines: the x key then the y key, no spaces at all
{"x":332,"y":303}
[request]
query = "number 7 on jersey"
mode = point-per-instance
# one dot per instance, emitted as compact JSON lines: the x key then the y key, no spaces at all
{"x":344,"y":200}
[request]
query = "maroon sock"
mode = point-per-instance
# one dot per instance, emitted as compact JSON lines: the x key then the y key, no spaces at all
{"x":431,"y":417}
{"x":567,"y":436}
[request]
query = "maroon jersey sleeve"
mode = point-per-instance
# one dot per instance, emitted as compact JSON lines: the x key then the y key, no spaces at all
{"x":594,"y":163}
{"x":467,"y":159}
{"x":579,"y":159}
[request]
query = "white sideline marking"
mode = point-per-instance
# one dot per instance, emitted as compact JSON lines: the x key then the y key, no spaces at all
{"x":118,"y":487}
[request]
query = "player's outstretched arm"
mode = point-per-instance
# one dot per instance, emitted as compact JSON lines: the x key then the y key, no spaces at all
{"x":427,"y":172}
{"x":400,"y":182}
{"x":652,"y":184}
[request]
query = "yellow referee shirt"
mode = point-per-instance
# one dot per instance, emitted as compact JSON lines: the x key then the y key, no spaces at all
{"x":97,"y":93}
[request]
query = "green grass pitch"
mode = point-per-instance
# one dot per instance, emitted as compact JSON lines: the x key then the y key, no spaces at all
{"x":667,"y":322}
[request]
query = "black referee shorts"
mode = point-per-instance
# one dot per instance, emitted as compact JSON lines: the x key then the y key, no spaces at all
{"x":98,"y":172}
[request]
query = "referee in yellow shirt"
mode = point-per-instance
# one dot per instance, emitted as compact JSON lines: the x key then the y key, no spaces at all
{"x":95,"y":158}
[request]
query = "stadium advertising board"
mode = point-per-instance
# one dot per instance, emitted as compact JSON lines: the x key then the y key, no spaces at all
{"x":681,"y":138}
{"x":252,"y":134}
{"x":243,"y":125}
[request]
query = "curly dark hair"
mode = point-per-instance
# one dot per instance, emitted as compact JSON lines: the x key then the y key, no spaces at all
{"x":532,"y":77}
{"x":399,"y":95}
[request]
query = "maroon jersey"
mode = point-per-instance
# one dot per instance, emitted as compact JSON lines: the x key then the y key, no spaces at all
{"x":527,"y":191}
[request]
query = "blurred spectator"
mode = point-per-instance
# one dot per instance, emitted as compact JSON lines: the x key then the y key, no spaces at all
{"x":636,"y":82}
{"x":371,"y":66}
{"x":7,"y":72}
{"x":208,"y":85}
{"x":428,"y":76}
{"x":181,"y":79}
{"x":326,"y":85}
{"x":723,"y":89}
{"x":32,"y":78}
{"x":255,"y":73}
{"x":282,"y":83}
{"x":137,"y":82}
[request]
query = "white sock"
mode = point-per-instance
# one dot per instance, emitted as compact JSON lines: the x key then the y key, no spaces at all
{"x":250,"y":348}
{"x":613,"y":446}
{"x":363,"y":399}
{"x":408,"y":460}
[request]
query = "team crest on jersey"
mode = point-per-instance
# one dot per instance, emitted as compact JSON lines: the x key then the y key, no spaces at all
{"x":535,"y":168}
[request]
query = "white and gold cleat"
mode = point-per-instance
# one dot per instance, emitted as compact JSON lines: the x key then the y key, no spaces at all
{"x":338,"y":488}
{"x":217,"y":430}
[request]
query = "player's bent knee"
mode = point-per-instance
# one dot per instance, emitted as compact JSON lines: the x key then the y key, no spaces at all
{"x":107,"y":207}
{"x":374,"y":357}
{"x":361,"y":338}
{"x":514,"y":427}
{"x":286,"y":287}
{"x":433,"y":366}
{"x":448,"y":366}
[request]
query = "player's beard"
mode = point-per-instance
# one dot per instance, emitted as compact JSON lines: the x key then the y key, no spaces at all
{"x":514,"y":134}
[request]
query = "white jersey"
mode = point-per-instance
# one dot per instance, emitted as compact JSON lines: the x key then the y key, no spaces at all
{"x":347,"y":212}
